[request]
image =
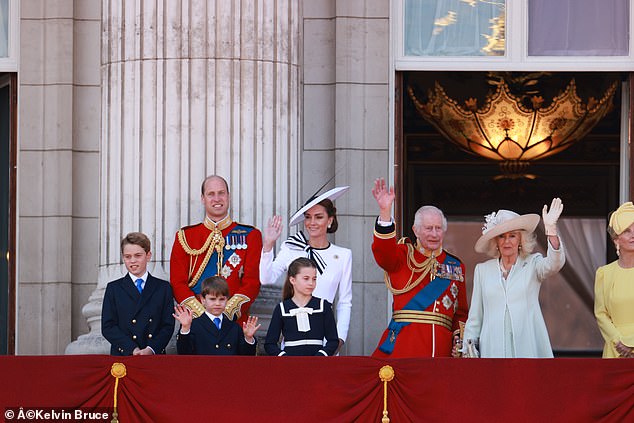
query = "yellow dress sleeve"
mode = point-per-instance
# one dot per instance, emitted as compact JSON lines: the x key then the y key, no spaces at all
{"x":602,"y":287}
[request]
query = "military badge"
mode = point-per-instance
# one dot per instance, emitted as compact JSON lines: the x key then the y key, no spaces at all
{"x":225,"y":272}
{"x":235,"y":260}
{"x":454,"y":290}
{"x":447,"y":302}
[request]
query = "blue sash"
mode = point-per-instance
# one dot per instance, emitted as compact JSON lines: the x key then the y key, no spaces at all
{"x":423,"y":299}
{"x":235,"y":235}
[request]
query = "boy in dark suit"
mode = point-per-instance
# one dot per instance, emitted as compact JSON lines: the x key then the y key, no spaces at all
{"x":136,"y":317}
{"x":213,"y":333}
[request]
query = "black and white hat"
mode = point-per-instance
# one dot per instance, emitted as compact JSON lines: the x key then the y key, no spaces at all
{"x":332,"y":195}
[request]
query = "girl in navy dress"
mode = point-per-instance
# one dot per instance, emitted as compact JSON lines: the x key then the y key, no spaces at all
{"x":306,"y":323}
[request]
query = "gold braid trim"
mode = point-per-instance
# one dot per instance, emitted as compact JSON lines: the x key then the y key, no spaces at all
{"x":190,"y":251}
{"x":385,"y":236}
{"x":426,"y":317}
{"x":215,"y":242}
{"x":423,"y":268}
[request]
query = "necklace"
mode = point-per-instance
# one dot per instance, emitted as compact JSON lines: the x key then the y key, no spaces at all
{"x":504,"y":271}
{"x":622,"y":265}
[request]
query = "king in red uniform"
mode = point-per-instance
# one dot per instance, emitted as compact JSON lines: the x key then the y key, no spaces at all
{"x":430,"y":298}
{"x":217,"y":246}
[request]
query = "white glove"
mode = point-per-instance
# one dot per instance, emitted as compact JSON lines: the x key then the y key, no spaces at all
{"x":470,"y":348}
{"x":551,"y":216}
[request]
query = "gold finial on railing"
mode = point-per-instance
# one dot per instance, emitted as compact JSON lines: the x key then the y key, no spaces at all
{"x":118,"y":371}
{"x":386,"y":374}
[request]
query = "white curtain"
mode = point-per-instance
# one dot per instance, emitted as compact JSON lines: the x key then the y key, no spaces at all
{"x":449,"y":27}
{"x":585,"y":243}
{"x":578,"y":27}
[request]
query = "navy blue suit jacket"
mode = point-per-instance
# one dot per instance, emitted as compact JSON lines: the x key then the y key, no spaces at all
{"x":204,"y":338}
{"x":130,"y":320}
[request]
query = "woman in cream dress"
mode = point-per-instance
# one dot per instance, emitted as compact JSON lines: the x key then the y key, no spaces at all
{"x":505,"y":317}
{"x":614,"y":288}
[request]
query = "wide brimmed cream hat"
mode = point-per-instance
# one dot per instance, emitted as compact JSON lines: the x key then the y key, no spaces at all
{"x":504,"y":221}
{"x":332,"y":195}
{"x":622,"y":218}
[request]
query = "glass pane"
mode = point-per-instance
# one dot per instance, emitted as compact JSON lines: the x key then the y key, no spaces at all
{"x":578,"y":28}
{"x":4,"y":28}
{"x":454,"y":27}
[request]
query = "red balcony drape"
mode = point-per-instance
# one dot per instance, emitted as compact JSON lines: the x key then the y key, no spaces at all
{"x":325,"y":389}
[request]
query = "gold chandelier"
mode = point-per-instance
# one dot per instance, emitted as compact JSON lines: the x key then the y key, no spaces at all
{"x":506,"y":130}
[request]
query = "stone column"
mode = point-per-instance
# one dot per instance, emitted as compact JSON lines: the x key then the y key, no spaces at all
{"x":191,"y":88}
{"x":346,"y":78}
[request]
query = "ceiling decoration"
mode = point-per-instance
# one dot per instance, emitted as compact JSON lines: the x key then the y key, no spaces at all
{"x":514,"y":129}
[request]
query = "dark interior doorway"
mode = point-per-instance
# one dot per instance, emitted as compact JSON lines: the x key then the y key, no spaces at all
{"x":466,"y":187}
{"x":8,"y":85}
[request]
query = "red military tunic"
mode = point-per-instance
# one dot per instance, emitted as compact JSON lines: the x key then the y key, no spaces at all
{"x":429,"y":332}
{"x":195,"y":256}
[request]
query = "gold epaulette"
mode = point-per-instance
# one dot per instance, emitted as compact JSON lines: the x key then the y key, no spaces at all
{"x":194,"y":305}
{"x":232,"y":309}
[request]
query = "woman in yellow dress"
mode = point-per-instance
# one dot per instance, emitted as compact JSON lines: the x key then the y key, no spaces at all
{"x":614,"y":288}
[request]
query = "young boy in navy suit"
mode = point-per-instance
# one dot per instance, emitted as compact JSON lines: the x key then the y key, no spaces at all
{"x":213,"y":333}
{"x":136,"y":317}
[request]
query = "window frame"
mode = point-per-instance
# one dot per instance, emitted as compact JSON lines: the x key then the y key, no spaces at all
{"x":516,"y":57}
{"x":10,"y":63}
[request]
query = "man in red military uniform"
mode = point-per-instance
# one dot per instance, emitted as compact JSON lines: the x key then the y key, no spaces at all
{"x":217,"y":246}
{"x":430,"y":297}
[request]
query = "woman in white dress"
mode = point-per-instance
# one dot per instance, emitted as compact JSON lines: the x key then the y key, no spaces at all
{"x":334,"y":263}
{"x":505,"y":317}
